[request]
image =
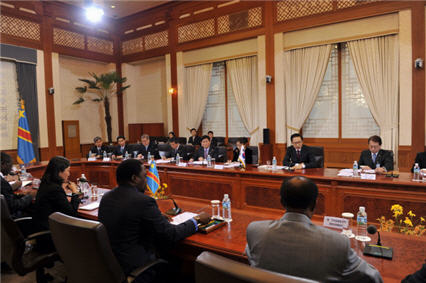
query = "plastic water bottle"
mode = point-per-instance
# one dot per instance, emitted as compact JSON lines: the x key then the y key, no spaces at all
{"x":105,"y":154}
{"x":90,"y":153}
{"x":355,"y":169}
{"x":209,"y":161}
{"x":361,"y":221}
{"x":149,"y":156}
{"x":274,"y":163}
{"x":226,"y":208}
{"x":416,"y":173}
{"x":177,"y":158}
{"x":126,"y":155}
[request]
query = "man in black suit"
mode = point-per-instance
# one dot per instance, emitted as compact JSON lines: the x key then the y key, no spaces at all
{"x":213,"y":140}
{"x":299,"y":156}
{"x":98,"y":149}
{"x":376,"y":158}
{"x":421,"y":160}
{"x":136,"y":228}
{"x":248,"y":153}
{"x":194,"y":139}
{"x":204,"y":150}
{"x":177,"y":148}
{"x":17,"y":204}
{"x":121,"y":149}
{"x":146,"y":147}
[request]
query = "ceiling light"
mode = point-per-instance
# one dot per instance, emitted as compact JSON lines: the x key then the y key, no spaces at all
{"x":112,"y":6}
{"x":94,"y":14}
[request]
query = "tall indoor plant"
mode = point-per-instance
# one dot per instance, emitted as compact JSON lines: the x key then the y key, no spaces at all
{"x":103,"y":86}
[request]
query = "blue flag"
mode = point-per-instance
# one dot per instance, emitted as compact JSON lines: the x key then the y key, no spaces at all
{"x":152,"y":178}
{"x":25,"y":143}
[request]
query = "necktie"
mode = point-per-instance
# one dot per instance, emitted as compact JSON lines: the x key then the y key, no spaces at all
{"x":122,"y":149}
{"x":298,"y":154}
{"x":374,"y":157}
{"x":206,"y":152}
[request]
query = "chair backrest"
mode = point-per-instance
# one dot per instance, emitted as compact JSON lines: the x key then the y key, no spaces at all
{"x":254,"y":154}
{"x":133,"y":147}
{"x":84,"y":247}
{"x":318,"y":152}
{"x":182,"y":140}
{"x":212,"y":268}
{"x":164,"y":149}
{"x":232,"y":141}
{"x":189,"y":148}
{"x":220,"y":141}
{"x":12,"y":240}
{"x":221,"y":154}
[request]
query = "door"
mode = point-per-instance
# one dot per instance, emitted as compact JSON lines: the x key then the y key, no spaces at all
{"x":71,"y":139}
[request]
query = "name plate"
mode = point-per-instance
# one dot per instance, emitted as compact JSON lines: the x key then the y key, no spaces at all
{"x":91,"y":159}
{"x":335,"y":222}
{"x":368,"y":176}
{"x":219,"y":167}
{"x":183,"y":164}
{"x":106,"y":159}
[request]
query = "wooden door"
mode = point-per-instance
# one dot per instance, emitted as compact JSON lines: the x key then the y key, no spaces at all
{"x":71,"y":139}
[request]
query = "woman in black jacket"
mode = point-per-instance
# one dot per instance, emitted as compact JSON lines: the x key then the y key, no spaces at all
{"x":52,"y":194}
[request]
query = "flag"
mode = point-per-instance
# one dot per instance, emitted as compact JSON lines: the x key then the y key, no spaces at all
{"x":242,"y":157}
{"x":25,"y":143}
{"x":152,"y":178}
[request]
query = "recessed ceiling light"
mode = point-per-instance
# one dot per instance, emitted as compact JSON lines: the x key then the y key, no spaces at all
{"x":94,"y":14}
{"x":112,"y":6}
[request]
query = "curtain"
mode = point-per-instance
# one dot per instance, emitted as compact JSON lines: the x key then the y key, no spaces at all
{"x":304,"y":71}
{"x":242,"y":73}
{"x":197,"y":84}
{"x":27,"y":88}
{"x":376,"y":64}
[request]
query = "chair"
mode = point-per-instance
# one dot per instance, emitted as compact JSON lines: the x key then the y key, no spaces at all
{"x":15,"y":250}
{"x":221,"y":154}
{"x":189,"y":148}
{"x":85,"y":249}
{"x":254,"y":154}
{"x":220,"y":141}
{"x":182,"y":140}
{"x":212,"y":268}
{"x":164,"y":149}
{"x":318,"y":152}
{"x":232,"y":141}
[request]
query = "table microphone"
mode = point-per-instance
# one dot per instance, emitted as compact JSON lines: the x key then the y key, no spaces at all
{"x":173,"y":211}
{"x":377,"y":250}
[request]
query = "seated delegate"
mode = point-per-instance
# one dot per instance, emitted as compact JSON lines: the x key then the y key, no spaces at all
{"x":298,"y":155}
{"x":376,"y":158}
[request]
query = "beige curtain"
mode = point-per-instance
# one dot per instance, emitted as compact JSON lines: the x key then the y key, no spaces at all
{"x":197,"y":84}
{"x":242,"y":73}
{"x":376,"y":64}
{"x":304,"y":71}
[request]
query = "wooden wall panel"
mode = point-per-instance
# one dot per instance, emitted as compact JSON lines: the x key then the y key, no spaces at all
{"x":405,"y":158}
{"x":280,"y":150}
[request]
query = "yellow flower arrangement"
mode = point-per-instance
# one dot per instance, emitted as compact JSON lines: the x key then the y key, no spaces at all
{"x":160,"y":193}
{"x":405,"y":226}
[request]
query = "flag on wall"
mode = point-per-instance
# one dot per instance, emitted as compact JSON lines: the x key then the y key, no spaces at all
{"x":25,"y":143}
{"x":152,"y":178}
{"x":242,"y":157}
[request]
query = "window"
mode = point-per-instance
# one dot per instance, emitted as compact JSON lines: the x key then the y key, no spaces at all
{"x":221,"y":114}
{"x":355,"y":119}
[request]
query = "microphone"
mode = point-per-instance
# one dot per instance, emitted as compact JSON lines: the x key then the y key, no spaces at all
{"x":173,"y":211}
{"x":377,"y":250}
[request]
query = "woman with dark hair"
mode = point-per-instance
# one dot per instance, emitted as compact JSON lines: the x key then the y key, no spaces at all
{"x":51,"y":196}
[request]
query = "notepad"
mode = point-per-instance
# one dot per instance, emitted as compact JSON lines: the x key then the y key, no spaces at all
{"x":90,"y":206}
{"x":183,"y":217}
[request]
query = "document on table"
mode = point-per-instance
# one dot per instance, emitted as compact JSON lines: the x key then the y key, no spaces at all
{"x":183,"y":217}
{"x":90,"y":206}
{"x":159,"y":161}
{"x":200,"y":162}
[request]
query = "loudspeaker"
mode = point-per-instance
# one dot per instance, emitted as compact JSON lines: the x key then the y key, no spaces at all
{"x":265,"y":136}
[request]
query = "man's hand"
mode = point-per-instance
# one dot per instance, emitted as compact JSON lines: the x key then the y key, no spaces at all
{"x":380,"y":170}
{"x":364,"y":167}
{"x":203,"y":218}
{"x":200,"y":158}
{"x":297,"y":166}
{"x":16,"y":185}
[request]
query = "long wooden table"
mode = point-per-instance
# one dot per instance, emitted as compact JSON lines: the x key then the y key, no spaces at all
{"x":255,"y":196}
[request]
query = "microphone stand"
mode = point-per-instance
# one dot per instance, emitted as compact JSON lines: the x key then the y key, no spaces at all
{"x":175,"y":210}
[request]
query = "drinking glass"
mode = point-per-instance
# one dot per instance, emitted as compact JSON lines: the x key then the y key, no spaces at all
{"x":215,"y":208}
{"x":348,"y":231}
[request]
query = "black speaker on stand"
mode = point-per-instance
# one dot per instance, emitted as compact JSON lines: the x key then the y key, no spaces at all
{"x":266,"y":136}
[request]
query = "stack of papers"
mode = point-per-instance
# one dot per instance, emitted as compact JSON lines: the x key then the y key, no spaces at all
{"x":204,"y":162}
{"x":90,"y":206}
{"x":159,"y":161}
{"x":349,"y":172}
{"x":183,"y":217}
{"x":269,"y":167}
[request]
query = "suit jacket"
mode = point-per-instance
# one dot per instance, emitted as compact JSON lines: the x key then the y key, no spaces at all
{"x":213,"y":142}
{"x":136,"y":227}
{"x":152,"y":148}
{"x":51,"y":198}
{"x":248,"y":152}
{"x":306,"y":156}
{"x":200,"y":153}
{"x":94,"y":149}
{"x":421,"y":159}
{"x":196,"y":141}
{"x":15,"y":203}
{"x":117,"y":150}
{"x":182,"y":152}
{"x":384,"y":158}
{"x":293,"y":245}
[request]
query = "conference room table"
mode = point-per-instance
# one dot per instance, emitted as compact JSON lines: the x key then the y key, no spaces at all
{"x":255,"y":196}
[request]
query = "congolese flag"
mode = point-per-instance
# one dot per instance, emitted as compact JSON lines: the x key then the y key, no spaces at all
{"x":25,"y":143}
{"x":152,"y":178}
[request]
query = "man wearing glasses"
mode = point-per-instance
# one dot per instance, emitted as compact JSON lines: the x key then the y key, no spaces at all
{"x":375,"y":158}
{"x":299,"y":156}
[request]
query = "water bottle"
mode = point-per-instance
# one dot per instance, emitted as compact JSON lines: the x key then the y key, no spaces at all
{"x":274,"y":163}
{"x":177,"y":158}
{"x":355,"y":169}
{"x":126,"y":155}
{"x":105,"y":154}
{"x":83,"y":184}
{"x":416,"y":173}
{"x":149,"y":157}
{"x":209,"y":161}
{"x":226,"y":208}
{"x":90,"y":153}
{"x":361,"y":221}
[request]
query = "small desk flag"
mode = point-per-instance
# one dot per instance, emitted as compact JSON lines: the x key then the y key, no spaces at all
{"x":25,"y":143}
{"x":152,"y":178}
{"x":242,"y":157}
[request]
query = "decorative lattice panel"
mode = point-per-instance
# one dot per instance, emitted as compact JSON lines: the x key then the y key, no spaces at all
{"x":342,"y":4}
{"x":291,"y":9}
{"x":132,"y":46}
{"x":255,"y":17}
{"x":156,"y":40}
{"x":240,"y":20}
{"x":68,"y":38}
{"x":195,"y":31}
{"x":20,"y":28}
{"x":100,"y":45}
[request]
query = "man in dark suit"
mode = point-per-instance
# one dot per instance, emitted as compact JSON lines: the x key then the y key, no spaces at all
{"x":204,"y":150}
{"x":17,"y":204}
{"x":146,"y":147}
{"x":248,"y":153}
{"x":194,"y":139}
{"x":421,"y":160}
{"x":376,"y":158}
{"x":299,"y":156}
{"x":213,"y":140}
{"x":293,"y":245}
{"x":136,"y":228}
{"x":177,"y":148}
{"x":121,"y":149}
{"x":98,"y":149}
